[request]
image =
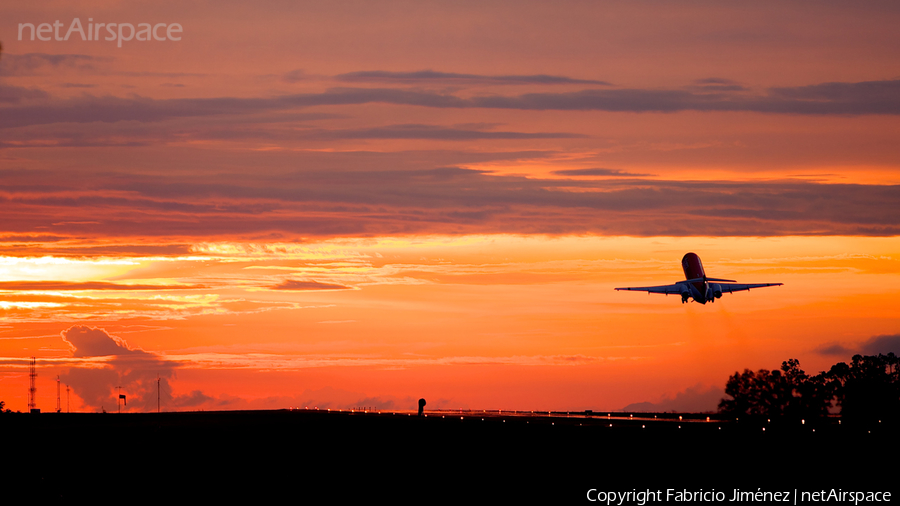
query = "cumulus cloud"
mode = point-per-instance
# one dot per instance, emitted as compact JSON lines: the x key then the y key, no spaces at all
{"x":96,"y":342}
{"x":110,"y":363}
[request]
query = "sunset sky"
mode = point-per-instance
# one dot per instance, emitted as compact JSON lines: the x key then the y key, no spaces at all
{"x":342,"y":204}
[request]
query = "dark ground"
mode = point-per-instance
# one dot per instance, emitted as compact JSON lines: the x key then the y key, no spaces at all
{"x":300,"y":455}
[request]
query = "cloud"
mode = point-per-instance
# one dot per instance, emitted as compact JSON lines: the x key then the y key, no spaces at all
{"x":77,"y":85}
{"x":294,"y":76}
{"x":597,"y":172}
{"x":348,"y":202}
{"x":89,"y":285}
{"x":284,"y":128}
{"x":38,"y":63}
{"x":873,"y":346}
{"x":431,"y":132}
{"x":425,"y":76}
{"x":717,"y":84}
{"x":114,"y":109}
{"x":882,"y":345}
{"x":834,"y":349}
{"x":95,"y":342}
{"x":295,"y":284}
{"x":15,"y":94}
{"x":696,"y":399}
{"x":871,"y":97}
{"x":109,"y":363}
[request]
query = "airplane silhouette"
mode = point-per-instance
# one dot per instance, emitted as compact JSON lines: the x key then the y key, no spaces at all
{"x":696,"y":285}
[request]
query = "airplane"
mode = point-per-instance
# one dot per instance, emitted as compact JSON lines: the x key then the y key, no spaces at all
{"x":697,"y":285}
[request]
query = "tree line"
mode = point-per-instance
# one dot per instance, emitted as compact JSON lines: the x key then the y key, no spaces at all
{"x":867,"y":390}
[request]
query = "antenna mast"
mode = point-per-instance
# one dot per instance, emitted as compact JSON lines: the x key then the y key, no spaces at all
{"x":32,"y":389}
{"x":58,"y":409}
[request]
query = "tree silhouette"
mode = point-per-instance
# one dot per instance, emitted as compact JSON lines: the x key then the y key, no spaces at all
{"x":867,"y":390}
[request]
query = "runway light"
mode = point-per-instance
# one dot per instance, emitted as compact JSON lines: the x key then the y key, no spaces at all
{"x":802,"y":422}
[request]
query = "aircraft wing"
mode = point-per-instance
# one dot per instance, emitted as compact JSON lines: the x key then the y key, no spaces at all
{"x":667,"y":289}
{"x":736,"y":287}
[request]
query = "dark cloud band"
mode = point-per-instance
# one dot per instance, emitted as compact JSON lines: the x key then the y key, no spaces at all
{"x":442,"y":200}
{"x":873,"y":97}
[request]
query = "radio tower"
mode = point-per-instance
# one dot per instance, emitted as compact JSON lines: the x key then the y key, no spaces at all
{"x":32,"y":389}
{"x":58,"y":408}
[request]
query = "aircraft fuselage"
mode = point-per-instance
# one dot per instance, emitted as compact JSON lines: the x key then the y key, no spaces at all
{"x":693,"y":269}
